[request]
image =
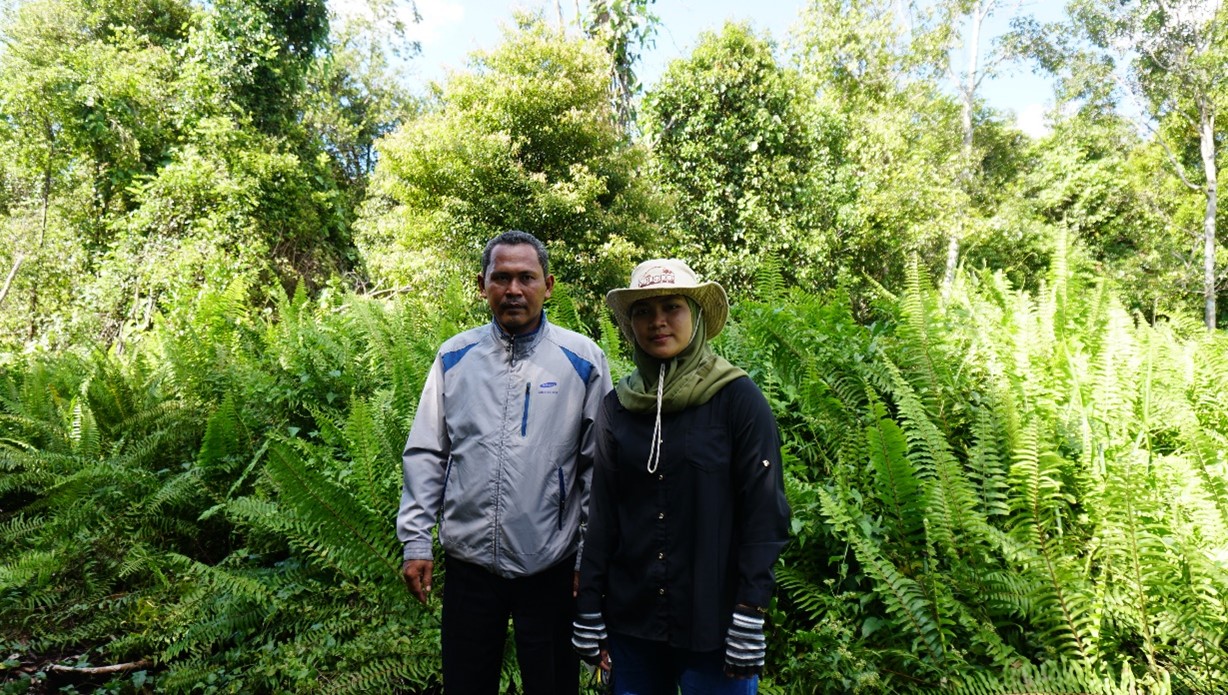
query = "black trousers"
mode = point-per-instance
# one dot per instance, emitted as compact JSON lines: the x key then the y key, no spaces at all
{"x":476,"y":607}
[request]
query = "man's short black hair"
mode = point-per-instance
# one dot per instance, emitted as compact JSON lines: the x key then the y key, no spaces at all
{"x":512,"y":238}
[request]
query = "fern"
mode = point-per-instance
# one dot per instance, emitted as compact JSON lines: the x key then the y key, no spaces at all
{"x":897,"y":483}
{"x":922,"y":339}
{"x":1056,"y":678}
{"x":325,"y":520}
{"x":949,"y":499}
{"x":986,"y":470}
{"x":901,"y":596}
{"x":769,"y":279}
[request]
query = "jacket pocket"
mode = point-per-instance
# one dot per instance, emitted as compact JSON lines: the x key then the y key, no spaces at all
{"x":443,"y":497}
{"x":709,"y":449}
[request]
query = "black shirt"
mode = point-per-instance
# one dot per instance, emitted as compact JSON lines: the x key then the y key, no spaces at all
{"x":668,"y":554}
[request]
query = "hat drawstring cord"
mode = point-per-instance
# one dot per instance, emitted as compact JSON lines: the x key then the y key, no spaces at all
{"x":654,"y":453}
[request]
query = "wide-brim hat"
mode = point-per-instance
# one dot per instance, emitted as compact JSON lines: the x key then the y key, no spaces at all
{"x":665,"y":276}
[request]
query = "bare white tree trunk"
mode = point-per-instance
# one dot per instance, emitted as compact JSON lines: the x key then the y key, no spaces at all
{"x":1207,"y":146}
{"x":42,"y":231}
{"x":979,"y":10}
{"x":8,"y":281}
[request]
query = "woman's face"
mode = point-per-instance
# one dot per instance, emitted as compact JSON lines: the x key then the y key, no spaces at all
{"x":662,"y":325}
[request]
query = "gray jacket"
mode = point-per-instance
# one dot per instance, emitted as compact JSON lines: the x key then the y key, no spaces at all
{"x":501,"y":449}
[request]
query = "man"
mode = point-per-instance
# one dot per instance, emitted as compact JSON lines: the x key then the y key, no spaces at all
{"x":501,"y":452}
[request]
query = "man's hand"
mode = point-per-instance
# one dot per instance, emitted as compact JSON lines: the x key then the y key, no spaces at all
{"x":604,"y":664}
{"x":417,"y":576}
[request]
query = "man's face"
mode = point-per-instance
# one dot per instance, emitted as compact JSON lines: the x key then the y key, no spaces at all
{"x":515,"y":287}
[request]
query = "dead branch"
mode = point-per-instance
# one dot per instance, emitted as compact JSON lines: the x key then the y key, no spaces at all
{"x":100,"y":670}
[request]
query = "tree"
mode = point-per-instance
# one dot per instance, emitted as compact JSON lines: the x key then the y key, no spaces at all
{"x":623,"y":27}
{"x":83,"y":87}
{"x":257,"y":54}
{"x":743,"y":159}
{"x":878,"y":79}
{"x":968,"y":79}
{"x":525,"y":138}
{"x":153,"y":148}
{"x":355,"y":94}
{"x":1173,"y":55}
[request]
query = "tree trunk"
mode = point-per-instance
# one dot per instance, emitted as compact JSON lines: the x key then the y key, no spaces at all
{"x":42,"y":231}
{"x":1207,"y":145}
{"x":967,"y":94}
{"x":8,"y":281}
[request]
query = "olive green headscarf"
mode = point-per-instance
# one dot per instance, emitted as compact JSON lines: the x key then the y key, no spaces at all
{"x":692,"y":377}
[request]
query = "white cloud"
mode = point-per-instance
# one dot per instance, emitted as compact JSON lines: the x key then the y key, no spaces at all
{"x":440,"y":18}
{"x":1032,"y":121}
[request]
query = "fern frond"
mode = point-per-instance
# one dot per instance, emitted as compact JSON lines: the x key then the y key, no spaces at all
{"x":950,"y":507}
{"x":769,"y":279}
{"x":377,"y":481}
{"x":896,"y":478}
{"x":802,"y":592}
{"x":325,"y":519}
{"x":903,"y":598}
{"x":1046,"y":678}
{"x":985,"y":466}
{"x":1039,"y":513}
{"x":563,"y":309}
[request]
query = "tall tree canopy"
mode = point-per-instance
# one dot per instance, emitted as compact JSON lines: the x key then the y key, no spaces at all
{"x":523,"y":139}
{"x":153,"y":147}
{"x":1169,"y":57}
{"x":878,"y":78}
{"x":744,"y":161}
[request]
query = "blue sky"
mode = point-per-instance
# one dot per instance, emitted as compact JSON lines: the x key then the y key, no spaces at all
{"x":450,"y":29}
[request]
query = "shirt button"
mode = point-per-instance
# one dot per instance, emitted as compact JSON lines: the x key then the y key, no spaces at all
{"x":660,"y":556}
{"x":661,"y":515}
{"x":661,"y":476}
{"x":661,"y":591}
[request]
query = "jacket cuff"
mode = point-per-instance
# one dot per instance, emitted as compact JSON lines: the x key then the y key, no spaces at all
{"x":757,"y":598}
{"x":417,"y":550}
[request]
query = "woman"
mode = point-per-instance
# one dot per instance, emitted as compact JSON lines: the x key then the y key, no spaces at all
{"x":688,"y":512}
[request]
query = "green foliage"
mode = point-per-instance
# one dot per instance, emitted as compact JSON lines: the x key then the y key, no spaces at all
{"x":1169,"y":57}
{"x":151,"y":148}
{"x":743,"y":160}
{"x":90,"y":448}
{"x":82,"y":92}
{"x":261,"y":52}
{"x":624,"y":27}
{"x":523,"y":139}
{"x":992,"y":490}
{"x":1019,"y":508}
{"x":894,"y":149}
{"x":356,"y":95}
{"x":241,"y":494}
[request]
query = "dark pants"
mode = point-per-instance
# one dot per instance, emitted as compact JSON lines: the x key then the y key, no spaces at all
{"x":476,"y":606}
{"x":642,"y":667}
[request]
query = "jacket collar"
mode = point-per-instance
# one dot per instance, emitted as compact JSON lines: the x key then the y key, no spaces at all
{"x":519,"y":345}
